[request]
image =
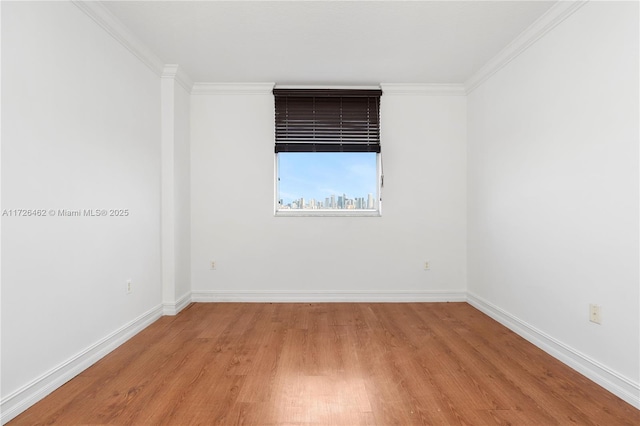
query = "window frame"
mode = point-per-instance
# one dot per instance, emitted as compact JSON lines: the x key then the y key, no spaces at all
{"x":377,"y":212}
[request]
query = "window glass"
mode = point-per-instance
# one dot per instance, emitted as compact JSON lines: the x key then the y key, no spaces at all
{"x":345,"y":181}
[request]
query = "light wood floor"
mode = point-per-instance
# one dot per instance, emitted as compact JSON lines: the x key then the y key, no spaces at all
{"x":348,"y":364}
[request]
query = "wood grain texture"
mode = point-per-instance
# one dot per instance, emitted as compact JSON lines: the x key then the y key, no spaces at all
{"x":329,"y":364}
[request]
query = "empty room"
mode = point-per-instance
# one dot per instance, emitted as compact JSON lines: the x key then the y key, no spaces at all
{"x":320,"y":212}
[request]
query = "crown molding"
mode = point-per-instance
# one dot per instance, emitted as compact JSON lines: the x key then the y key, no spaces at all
{"x":423,"y":89}
{"x":170,"y":71}
{"x":175,"y":72}
{"x":551,"y":18}
{"x":232,"y":88}
{"x":104,"y":18}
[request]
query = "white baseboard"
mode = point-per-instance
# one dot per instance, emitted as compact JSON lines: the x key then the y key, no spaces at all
{"x":615,"y":383}
{"x":320,"y":297}
{"x":177,"y":306}
{"x":23,"y":398}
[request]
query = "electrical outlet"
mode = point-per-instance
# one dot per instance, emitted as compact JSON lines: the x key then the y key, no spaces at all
{"x":129,"y":287}
{"x":426,"y":265}
{"x":213,"y":264}
{"x":594,"y":314}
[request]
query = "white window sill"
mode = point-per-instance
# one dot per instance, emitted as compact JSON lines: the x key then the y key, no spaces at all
{"x":328,"y":213}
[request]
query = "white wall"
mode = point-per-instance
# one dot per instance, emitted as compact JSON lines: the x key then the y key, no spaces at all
{"x":232,"y":165}
{"x":553,"y":190}
{"x":80,"y":130}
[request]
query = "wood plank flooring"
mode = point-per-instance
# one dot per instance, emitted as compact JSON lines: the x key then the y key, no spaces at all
{"x":329,"y":364}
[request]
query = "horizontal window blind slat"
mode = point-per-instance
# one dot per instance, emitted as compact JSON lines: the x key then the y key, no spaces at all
{"x":327,"y":147}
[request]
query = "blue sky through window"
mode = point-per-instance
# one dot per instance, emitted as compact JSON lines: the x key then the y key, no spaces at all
{"x":319,"y":175}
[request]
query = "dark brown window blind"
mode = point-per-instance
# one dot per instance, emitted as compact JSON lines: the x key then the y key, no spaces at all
{"x":327,"y":120}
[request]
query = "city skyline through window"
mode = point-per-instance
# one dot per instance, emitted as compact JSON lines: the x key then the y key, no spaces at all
{"x":327,"y":180}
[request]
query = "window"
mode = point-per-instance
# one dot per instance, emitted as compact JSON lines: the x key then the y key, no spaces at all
{"x":327,"y":152}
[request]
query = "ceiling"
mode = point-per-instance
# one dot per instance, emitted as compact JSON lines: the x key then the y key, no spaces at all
{"x":328,"y":42}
